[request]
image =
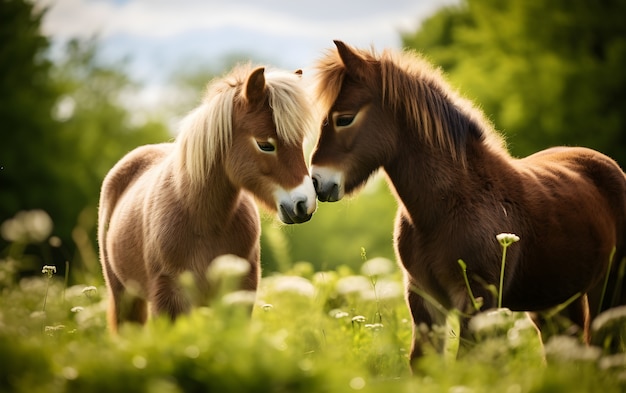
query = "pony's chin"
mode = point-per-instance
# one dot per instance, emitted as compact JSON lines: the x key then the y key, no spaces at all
{"x":287,"y":218}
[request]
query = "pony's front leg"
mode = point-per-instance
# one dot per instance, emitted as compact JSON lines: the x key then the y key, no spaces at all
{"x":167,"y":297}
{"x":423,"y":335}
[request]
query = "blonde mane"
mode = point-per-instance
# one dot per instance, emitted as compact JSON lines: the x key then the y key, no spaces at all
{"x":414,"y":89}
{"x":206,"y":132}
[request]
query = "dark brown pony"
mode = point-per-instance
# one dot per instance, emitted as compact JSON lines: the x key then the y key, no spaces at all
{"x":171,"y":208}
{"x":457,"y":188}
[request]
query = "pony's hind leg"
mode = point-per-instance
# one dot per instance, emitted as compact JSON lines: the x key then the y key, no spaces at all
{"x":578,"y":312}
{"x":167,"y":297}
{"x":124,"y":305}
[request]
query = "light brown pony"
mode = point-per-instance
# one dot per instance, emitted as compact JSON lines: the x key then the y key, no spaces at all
{"x":170,"y":208}
{"x":457,"y":188}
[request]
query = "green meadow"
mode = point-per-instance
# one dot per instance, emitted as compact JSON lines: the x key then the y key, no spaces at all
{"x":306,"y":330}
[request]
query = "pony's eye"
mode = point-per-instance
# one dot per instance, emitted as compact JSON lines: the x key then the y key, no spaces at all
{"x":344,"y":120}
{"x":266,"y":146}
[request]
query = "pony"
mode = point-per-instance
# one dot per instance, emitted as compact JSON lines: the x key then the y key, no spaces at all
{"x":171,"y":208}
{"x":457,"y":188}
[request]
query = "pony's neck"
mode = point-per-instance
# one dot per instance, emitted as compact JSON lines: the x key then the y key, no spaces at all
{"x":430,"y":183}
{"x":209,"y":203}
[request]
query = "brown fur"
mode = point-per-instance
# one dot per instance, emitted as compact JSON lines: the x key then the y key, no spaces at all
{"x":171,"y":208}
{"x":457,"y":188}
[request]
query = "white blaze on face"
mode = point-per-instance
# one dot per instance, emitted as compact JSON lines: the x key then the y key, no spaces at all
{"x":298,"y":204}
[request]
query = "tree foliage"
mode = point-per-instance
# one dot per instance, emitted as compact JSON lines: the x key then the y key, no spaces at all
{"x":547,"y":73}
{"x":26,"y":100}
{"x":63,"y":124}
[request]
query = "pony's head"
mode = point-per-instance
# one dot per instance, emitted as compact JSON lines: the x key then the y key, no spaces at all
{"x":373,"y":104}
{"x":251,"y":126}
{"x":353,"y":143}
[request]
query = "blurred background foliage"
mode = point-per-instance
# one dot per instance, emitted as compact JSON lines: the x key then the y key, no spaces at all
{"x":546,"y":73}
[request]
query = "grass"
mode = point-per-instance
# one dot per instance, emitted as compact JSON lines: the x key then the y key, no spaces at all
{"x":329,"y":331}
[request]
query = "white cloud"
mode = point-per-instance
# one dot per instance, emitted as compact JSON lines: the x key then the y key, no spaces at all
{"x":160,"y":35}
{"x":150,"y":18}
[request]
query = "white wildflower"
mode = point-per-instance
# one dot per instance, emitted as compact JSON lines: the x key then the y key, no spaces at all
{"x":358,"y":319}
{"x":227,"y":266}
{"x":32,"y":225}
{"x":353,"y":284}
{"x":338,"y":313}
{"x":377,"y":267}
{"x":374,"y":326}
{"x":240,"y":298}
{"x":293,"y":285}
{"x":383,"y":289}
{"x":506,"y":239}
{"x":90,"y":291}
{"x":49,"y":270}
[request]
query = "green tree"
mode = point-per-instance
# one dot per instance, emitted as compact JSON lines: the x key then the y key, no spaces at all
{"x":547,"y":73}
{"x":64,"y":125}
{"x":27,"y":96}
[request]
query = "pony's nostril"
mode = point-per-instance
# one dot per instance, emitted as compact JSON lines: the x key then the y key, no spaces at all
{"x":335,"y":192}
{"x":301,"y":208}
{"x":315,"y":183}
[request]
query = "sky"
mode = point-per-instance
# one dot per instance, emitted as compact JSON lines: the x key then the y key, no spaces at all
{"x":159,"y":36}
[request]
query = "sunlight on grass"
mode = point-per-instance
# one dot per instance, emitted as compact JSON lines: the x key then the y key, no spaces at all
{"x":310,"y":331}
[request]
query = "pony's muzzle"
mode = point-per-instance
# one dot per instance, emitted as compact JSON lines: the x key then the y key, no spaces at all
{"x":298,"y":205}
{"x":328,"y":184}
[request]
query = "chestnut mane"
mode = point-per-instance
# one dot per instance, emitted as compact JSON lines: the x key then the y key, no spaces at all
{"x":418,"y":93}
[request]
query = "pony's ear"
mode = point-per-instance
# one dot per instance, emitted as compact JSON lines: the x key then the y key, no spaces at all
{"x":255,"y":85}
{"x":355,"y":64}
